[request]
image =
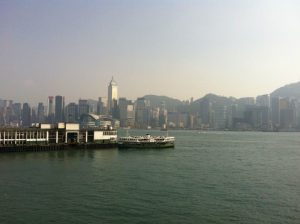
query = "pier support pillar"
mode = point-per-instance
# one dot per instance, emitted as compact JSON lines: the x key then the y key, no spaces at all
{"x":16,"y":136}
{"x":66,"y":138}
{"x":47,"y":136}
{"x":56,"y":137}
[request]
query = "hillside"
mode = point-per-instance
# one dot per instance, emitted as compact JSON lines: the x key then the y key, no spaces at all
{"x":291,"y":90}
{"x":171,"y":103}
{"x":219,"y":100}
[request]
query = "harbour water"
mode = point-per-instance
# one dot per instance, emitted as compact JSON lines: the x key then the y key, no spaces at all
{"x":210,"y":177}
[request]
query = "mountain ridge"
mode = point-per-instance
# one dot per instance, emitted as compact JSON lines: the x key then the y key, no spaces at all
{"x":290,"y":90}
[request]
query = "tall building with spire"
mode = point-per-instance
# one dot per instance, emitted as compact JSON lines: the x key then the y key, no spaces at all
{"x":112,"y":96}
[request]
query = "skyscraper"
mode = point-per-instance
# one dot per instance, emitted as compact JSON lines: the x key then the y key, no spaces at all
{"x":83,"y":107}
{"x":26,"y":115}
{"x":41,"y":113}
{"x":59,"y":109}
{"x":163,"y":115}
{"x":287,"y":111}
{"x":142,"y":117}
{"x":126,"y":110}
{"x":17,"y":111}
{"x":206,"y":112}
{"x":275,"y":109}
{"x":112,"y":95}
{"x":51,"y":109}
{"x":71,"y":112}
{"x":102,"y":106}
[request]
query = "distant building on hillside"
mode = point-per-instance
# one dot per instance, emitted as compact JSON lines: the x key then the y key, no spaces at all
{"x":263,"y":100}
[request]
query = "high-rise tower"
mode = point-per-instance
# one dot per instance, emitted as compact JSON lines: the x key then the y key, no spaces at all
{"x":26,"y":115}
{"x":59,"y":109}
{"x":41,"y":113}
{"x":112,"y":95}
{"x":50,"y":109}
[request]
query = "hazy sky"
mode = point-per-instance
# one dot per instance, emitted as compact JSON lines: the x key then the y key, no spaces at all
{"x":181,"y":49}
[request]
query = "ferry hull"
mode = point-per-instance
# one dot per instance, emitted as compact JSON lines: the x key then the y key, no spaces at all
{"x":153,"y":145}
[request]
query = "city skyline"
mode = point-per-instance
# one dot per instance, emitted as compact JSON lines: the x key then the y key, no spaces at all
{"x":117,"y":97}
{"x":279,"y":111}
{"x":265,"y":113}
{"x":172,"y":48}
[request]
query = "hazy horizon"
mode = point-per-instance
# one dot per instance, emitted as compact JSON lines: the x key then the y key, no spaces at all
{"x":179,"y":49}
